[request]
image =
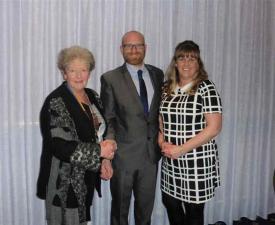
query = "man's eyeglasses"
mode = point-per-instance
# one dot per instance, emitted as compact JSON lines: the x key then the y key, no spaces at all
{"x":131,"y":46}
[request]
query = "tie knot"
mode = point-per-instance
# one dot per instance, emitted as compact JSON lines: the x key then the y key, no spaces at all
{"x":139,"y":72}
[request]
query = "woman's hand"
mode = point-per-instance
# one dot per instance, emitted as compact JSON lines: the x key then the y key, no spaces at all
{"x":172,"y":151}
{"x":213,"y":127}
{"x":108,"y":148}
{"x":106,"y":171}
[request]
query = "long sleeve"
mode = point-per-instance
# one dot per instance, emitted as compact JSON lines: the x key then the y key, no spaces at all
{"x":108,"y":100}
{"x":59,"y":131}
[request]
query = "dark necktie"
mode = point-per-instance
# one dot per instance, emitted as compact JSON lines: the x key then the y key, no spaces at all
{"x":143,"y":92}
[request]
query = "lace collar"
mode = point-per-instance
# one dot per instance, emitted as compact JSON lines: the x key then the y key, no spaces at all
{"x":184,"y":89}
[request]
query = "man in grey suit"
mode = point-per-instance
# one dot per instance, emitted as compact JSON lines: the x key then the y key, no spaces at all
{"x":134,"y":126}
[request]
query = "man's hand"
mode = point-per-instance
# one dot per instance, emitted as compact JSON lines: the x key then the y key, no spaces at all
{"x":108,"y":148}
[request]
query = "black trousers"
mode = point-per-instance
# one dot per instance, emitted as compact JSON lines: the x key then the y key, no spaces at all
{"x":193,"y":214}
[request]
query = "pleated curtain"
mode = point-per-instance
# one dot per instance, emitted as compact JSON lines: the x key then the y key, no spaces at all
{"x":237,"y":41}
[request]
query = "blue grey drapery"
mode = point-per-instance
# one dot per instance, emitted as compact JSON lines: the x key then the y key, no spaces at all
{"x":237,"y":40}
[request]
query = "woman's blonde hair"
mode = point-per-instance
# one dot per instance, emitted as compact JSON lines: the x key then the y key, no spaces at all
{"x":67,"y":55}
{"x":172,"y":74}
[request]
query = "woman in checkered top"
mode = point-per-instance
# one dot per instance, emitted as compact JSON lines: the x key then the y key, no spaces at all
{"x":190,"y":117}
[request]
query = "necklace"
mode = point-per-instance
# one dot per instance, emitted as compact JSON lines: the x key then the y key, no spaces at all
{"x":86,"y":106}
{"x":83,"y":99}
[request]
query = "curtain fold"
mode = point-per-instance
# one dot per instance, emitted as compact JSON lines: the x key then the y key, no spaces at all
{"x":237,"y":41}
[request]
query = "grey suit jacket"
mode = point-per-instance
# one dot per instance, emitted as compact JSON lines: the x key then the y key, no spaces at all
{"x":135,"y":134}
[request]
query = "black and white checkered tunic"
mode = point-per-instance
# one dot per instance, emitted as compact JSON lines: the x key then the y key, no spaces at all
{"x":193,"y":177}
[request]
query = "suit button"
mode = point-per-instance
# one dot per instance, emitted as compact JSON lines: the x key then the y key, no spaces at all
{"x":148,"y":138}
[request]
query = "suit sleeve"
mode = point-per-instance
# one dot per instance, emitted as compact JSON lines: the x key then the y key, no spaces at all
{"x":108,"y":100}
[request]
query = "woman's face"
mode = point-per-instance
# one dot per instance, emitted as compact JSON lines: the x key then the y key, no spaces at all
{"x":188,"y":66}
{"x":77,"y":74}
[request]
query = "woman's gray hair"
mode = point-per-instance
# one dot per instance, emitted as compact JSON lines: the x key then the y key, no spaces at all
{"x":67,"y":55}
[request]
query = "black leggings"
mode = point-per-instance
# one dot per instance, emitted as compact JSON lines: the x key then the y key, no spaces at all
{"x":193,"y":214}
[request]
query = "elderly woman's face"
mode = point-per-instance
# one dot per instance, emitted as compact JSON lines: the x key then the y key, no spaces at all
{"x":77,"y":74}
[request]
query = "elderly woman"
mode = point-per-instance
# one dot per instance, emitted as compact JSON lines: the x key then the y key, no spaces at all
{"x":190,"y":117}
{"x":72,"y":128}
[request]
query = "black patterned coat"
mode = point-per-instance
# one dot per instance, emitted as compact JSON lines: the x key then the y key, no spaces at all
{"x":70,"y":159}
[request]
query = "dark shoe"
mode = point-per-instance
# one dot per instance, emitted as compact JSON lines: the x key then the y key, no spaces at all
{"x":271,"y":217}
{"x":220,"y":223}
{"x":246,"y":221}
{"x":262,"y":221}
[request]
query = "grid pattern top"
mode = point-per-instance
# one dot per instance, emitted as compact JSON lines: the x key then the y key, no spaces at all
{"x":194,"y":176}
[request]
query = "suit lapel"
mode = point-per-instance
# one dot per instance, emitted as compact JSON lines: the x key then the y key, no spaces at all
{"x":132,"y":90}
{"x":155,"y":86}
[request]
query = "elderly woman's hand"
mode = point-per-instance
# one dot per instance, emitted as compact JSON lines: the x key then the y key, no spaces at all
{"x":108,"y":148}
{"x":106,"y":171}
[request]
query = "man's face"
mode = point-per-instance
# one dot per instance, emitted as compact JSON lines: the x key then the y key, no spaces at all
{"x":133,"y":48}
